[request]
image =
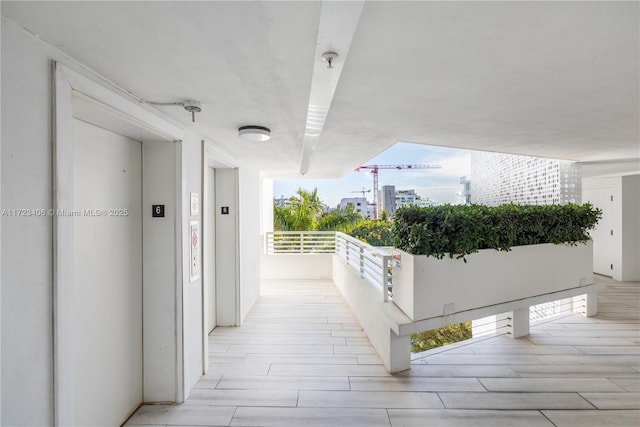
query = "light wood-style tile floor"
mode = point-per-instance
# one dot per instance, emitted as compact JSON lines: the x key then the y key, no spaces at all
{"x":302,"y":359}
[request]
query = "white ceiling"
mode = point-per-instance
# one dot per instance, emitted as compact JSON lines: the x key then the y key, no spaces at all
{"x":551,"y":79}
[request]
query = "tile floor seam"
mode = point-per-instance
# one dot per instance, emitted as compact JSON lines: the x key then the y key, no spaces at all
{"x":441,"y":401}
{"x":540,"y":361}
{"x":218,"y":382}
{"x":548,"y":419}
{"x":388,"y":416}
{"x":232,"y":416}
{"x":588,"y":401}
{"x":482,"y":384}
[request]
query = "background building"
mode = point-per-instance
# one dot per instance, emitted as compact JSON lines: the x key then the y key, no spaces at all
{"x":500,"y":178}
{"x":388,"y":199}
{"x":391,"y":199}
{"x":466,"y":191}
{"x":410,"y":198}
{"x":360,"y":204}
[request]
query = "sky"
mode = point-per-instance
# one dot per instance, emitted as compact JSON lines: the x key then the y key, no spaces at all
{"x":442,"y":184}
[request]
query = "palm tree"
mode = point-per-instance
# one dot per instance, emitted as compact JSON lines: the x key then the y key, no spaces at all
{"x":342,"y":219}
{"x":306,"y":212}
{"x":301,"y":214}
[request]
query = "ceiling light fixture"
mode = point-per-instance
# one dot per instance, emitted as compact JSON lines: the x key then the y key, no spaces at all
{"x":329,"y":57}
{"x":192,"y":107}
{"x":254,"y":133}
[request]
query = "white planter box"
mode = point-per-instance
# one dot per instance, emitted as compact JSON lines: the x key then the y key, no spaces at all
{"x":426,"y":287}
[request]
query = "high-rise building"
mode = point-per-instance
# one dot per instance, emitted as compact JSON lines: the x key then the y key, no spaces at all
{"x":388,"y":199}
{"x":500,"y":178}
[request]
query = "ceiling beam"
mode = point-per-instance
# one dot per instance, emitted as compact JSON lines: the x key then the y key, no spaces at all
{"x":337,"y":25}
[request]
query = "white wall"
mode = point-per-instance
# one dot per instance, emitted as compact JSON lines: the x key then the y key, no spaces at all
{"x":630,"y":268}
{"x":0,"y":259}
{"x":159,"y":272}
{"x":209,"y":253}
{"x":625,"y":241}
{"x":27,"y":301}
{"x":191,"y":290}
{"x":250,"y":242}
{"x":226,"y":247}
{"x":266,"y":202}
{"x":296,"y":267}
{"x":27,"y":342}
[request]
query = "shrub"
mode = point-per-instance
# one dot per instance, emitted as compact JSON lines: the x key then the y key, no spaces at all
{"x":434,"y":338}
{"x":374,"y":232}
{"x":457,"y":231}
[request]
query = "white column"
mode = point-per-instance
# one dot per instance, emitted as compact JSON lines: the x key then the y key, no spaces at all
{"x":399,"y":353}
{"x":591,"y":304}
{"x":520,"y":322}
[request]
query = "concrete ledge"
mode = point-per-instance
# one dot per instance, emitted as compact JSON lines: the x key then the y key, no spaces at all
{"x":389,"y":329}
{"x":591,"y":309}
{"x":380,"y":320}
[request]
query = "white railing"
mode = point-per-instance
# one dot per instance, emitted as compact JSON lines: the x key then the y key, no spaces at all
{"x":300,"y":242}
{"x":373,"y":264}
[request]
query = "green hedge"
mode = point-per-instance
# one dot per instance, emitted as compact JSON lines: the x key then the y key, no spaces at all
{"x":374,"y":232}
{"x":460,"y":230}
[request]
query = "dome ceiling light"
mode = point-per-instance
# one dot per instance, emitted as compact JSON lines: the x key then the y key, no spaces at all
{"x":254,"y":133}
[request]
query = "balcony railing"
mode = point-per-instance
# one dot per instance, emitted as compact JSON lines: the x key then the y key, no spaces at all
{"x":373,"y":264}
{"x":300,"y":242}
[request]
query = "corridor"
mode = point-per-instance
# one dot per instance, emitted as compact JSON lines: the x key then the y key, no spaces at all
{"x":301,"y":359}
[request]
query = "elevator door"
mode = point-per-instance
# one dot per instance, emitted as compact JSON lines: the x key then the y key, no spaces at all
{"x":107,"y":288}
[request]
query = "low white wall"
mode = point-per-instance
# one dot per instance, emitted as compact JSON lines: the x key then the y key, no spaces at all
{"x":379,"y":319}
{"x":292,"y":266}
{"x":425,"y":287}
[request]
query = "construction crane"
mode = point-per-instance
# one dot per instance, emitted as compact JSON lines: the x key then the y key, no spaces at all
{"x":374,"y":171}
{"x":363,"y":191}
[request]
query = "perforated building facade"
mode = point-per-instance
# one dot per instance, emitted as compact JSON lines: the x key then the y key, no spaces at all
{"x":498,"y":178}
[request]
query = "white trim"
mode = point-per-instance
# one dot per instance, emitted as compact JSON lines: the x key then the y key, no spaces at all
{"x":68,"y":83}
{"x":216,"y":157}
{"x":62,"y":158}
{"x":206,"y":224}
{"x":179,"y":299}
{"x":120,"y":106}
{"x":237,"y":234}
